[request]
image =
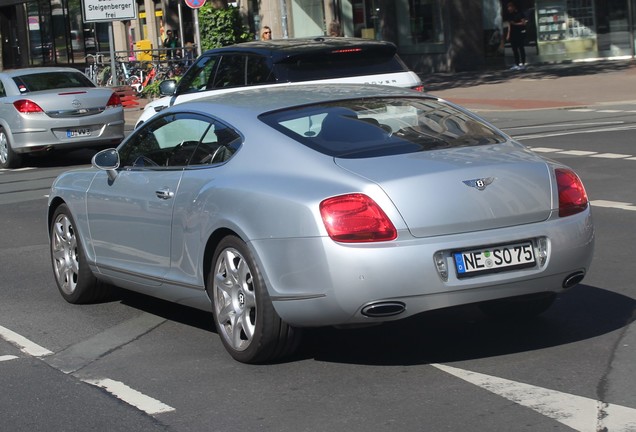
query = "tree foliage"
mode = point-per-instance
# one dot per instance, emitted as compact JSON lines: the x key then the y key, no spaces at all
{"x":221,"y":27}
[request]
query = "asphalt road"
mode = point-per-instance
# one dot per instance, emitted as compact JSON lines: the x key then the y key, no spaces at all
{"x":138,"y":364}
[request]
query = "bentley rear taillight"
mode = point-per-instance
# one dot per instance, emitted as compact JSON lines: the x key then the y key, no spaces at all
{"x":356,"y":218}
{"x":572,"y":195}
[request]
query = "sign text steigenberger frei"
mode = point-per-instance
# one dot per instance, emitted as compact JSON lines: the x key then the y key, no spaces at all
{"x":109,"y":10}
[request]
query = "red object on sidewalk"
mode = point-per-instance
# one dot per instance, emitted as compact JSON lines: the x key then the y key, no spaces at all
{"x":128,"y":96}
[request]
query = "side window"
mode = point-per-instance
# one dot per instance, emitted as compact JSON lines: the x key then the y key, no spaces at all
{"x":3,"y":93}
{"x":218,"y":145}
{"x":258,"y":72}
{"x":169,"y":141}
{"x":231,"y":72}
{"x":199,"y":77}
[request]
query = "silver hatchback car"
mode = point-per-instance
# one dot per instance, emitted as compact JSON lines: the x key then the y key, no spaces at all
{"x":55,"y":108}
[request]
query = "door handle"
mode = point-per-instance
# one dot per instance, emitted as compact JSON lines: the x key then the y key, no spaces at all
{"x":165,"y":193}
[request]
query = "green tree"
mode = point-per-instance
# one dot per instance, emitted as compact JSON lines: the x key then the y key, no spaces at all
{"x":221,"y":26}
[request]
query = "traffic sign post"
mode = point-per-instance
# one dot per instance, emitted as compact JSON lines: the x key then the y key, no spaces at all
{"x":109,"y":11}
{"x":195,"y":5}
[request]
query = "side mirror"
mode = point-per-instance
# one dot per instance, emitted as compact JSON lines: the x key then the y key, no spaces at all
{"x":107,"y":160}
{"x":167,"y":87}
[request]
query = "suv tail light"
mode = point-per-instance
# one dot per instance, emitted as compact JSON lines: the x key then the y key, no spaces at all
{"x":26,"y":106}
{"x":356,"y":218}
{"x":114,"y":101}
{"x":572,"y":195}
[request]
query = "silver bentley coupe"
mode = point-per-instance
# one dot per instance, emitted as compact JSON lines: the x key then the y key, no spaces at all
{"x":335,"y":205}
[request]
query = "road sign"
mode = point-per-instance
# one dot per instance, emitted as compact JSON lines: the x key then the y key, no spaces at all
{"x":195,"y":4}
{"x":109,"y":10}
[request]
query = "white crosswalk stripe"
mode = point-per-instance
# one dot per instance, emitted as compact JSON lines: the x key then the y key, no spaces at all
{"x":7,"y":358}
{"x":584,"y":153}
{"x":580,"y":413}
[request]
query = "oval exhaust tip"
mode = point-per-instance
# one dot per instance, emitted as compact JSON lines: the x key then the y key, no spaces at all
{"x":573,"y":279}
{"x":383,"y":309}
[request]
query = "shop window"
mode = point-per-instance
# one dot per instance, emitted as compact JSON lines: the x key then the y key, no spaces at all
{"x":308,"y":17}
{"x":40,"y":35}
{"x":425,"y":23}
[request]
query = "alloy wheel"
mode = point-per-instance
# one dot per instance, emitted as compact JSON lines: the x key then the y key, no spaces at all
{"x":64,"y":252}
{"x":234,"y":299}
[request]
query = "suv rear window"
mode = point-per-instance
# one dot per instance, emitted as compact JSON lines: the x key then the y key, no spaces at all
{"x":362,"y":128}
{"x":339,"y":63}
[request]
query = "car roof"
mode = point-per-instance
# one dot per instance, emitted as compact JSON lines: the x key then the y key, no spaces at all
{"x":280,"y":49}
{"x":265,"y":99}
{"x":28,"y":71}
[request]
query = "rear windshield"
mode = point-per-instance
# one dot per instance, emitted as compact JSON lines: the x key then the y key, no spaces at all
{"x":362,"y":128}
{"x":339,"y":63}
{"x":51,"y":81}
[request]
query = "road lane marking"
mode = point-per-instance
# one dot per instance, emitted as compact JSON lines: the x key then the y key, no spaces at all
{"x":116,"y":388}
{"x":580,"y":413}
{"x":611,"y":156}
{"x":582,"y":153}
{"x":25,"y":345}
{"x":131,"y":396}
{"x":7,"y":358}
{"x":576,"y":132}
{"x":603,"y":123}
{"x":613,"y":204}
{"x":545,"y":150}
{"x":578,"y":152}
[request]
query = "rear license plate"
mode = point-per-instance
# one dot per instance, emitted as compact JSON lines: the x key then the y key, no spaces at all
{"x":75,"y":133}
{"x":494,"y":259}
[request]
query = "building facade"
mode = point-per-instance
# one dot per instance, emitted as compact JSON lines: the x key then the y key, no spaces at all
{"x":431,"y":35}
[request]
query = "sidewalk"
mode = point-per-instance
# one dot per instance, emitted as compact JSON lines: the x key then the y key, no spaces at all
{"x":541,"y":86}
{"x":132,"y":114}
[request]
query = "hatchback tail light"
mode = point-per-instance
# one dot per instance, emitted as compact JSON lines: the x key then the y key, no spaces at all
{"x":419,"y":88}
{"x":26,"y":106}
{"x":356,"y":218}
{"x":114,"y":101}
{"x":572,"y":195}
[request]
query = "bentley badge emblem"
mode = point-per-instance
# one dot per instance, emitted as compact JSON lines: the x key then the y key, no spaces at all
{"x":479,"y":184}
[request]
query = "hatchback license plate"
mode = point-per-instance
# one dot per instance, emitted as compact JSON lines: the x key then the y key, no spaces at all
{"x":75,"y":133}
{"x":494,"y":259}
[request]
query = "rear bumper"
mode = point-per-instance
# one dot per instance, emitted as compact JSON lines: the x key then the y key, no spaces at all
{"x":331,"y":284}
{"x":37,"y":140}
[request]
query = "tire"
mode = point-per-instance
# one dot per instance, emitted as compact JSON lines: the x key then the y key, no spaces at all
{"x":8,"y":158}
{"x":74,"y":278}
{"x":249,"y":327}
{"x":518,"y":308}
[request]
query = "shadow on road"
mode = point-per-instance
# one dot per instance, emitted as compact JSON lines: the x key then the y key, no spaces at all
{"x":55,"y":159}
{"x":446,"y":335}
{"x":446,"y":81}
{"x":463,"y":333}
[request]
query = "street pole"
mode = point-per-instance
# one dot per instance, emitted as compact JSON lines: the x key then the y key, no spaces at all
{"x":283,"y":18}
{"x":181,"y":35}
{"x":113,"y":60}
{"x":196,"y":32}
